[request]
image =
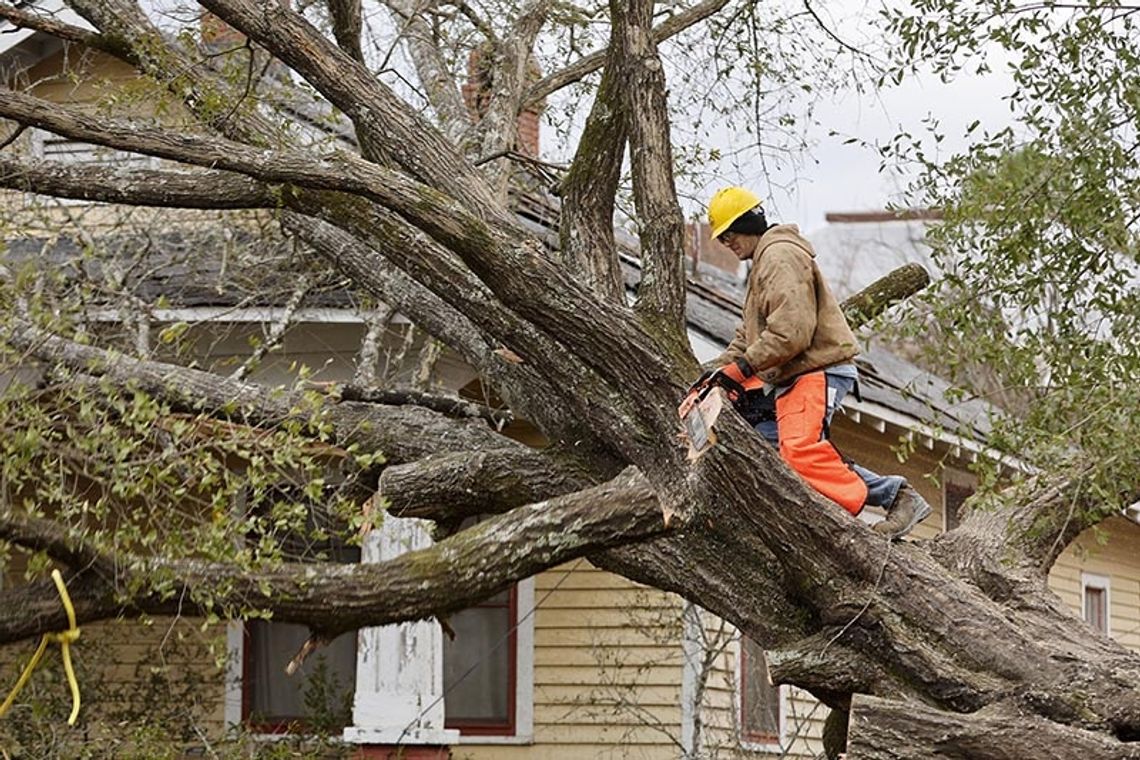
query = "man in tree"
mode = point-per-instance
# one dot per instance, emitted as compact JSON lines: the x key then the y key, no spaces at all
{"x":791,"y":361}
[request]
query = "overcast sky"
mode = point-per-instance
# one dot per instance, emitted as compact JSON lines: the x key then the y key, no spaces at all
{"x":834,"y":176}
{"x":847,"y":177}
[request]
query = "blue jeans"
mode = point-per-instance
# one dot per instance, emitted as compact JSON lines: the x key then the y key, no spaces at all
{"x":881,"y":489}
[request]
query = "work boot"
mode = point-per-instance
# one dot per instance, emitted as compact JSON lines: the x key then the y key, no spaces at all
{"x":907,"y":511}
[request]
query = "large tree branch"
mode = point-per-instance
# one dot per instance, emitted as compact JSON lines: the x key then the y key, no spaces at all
{"x":1018,"y":538}
{"x":661,"y":295}
{"x":587,"y":65}
{"x":450,"y":487}
{"x":514,"y":269}
{"x":436,"y":212}
{"x":573,"y":394}
{"x":884,"y":729}
{"x":332,"y":599}
{"x":140,"y":187}
{"x":586,"y":236}
{"x":403,"y":433}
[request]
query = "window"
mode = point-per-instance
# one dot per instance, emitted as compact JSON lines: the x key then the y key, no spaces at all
{"x":318,"y":697}
{"x":480,"y":667}
{"x":761,"y":705}
{"x":488,"y":668}
{"x":488,"y":672}
{"x":1094,"y":601}
{"x":956,"y":488}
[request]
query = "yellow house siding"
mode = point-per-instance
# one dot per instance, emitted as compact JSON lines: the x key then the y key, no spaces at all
{"x":1111,"y":550}
{"x":138,"y":682}
{"x":607,"y":670}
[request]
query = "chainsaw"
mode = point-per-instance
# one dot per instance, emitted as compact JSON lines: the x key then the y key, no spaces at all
{"x":701,"y":407}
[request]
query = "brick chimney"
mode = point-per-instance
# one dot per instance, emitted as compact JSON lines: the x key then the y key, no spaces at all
{"x":476,"y":94}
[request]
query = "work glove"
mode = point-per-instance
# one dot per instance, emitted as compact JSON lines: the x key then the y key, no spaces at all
{"x":738,"y":370}
{"x":731,"y":377}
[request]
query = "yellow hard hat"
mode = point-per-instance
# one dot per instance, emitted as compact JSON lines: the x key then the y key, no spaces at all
{"x":727,"y":206}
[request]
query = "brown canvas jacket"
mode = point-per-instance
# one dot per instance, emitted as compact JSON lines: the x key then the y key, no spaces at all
{"x":792,"y":323}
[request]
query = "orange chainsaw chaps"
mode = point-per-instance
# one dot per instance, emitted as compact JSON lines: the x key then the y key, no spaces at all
{"x":799,"y":417}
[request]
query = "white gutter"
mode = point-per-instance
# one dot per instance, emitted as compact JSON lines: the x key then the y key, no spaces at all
{"x":881,"y":416}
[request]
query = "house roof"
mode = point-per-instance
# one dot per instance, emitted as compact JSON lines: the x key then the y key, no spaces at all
{"x":893,"y":390}
{"x":226,"y":273}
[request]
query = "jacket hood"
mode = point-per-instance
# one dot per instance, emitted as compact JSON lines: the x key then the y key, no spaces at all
{"x":783,"y":233}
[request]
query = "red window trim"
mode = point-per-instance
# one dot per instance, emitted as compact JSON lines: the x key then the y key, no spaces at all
{"x":750,"y":736}
{"x":510,"y":726}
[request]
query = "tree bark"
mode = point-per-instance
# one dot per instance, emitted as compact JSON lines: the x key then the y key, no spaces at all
{"x":886,"y":730}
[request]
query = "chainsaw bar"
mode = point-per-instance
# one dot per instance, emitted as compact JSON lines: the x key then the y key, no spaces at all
{"x":698,"y":412}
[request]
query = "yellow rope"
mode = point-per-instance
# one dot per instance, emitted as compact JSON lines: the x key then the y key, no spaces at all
{"x":64,"y":639}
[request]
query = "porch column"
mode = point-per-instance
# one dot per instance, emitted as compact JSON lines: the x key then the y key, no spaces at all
{"x":398,"y":709}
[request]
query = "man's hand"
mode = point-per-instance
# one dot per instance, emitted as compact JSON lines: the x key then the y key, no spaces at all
{"x":738,"y":370}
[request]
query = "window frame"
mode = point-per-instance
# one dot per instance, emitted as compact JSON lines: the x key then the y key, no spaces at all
{"x":487,"y":728}
{"x":237,"y":693}
{"x":1101,"y":583}
{"x":757,"y":742}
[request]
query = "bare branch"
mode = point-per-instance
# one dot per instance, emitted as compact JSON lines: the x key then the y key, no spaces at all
{"x":429,"y":356}
{"x":139,"y":43}
{"x":510,"y":58}
{"x":452,"y":406}
{"x":29,"y":19}
{"x":392,"y":286}
{"x":365,"y":375}
{"x":343,"y":171}
{"x":276,"y":330}
{"x":402,"y":433}
{"x":594,"y":61}
{"x":463,"y":314}
{"x":404,"y":137}
{"x":434,"y":74}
